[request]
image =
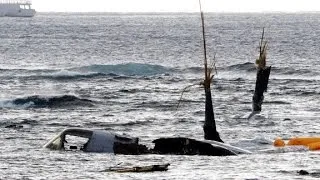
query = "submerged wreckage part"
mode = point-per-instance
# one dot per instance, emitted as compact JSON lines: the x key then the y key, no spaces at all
{"x":263,"y":73}
{"x":261,"y":87}
{"x":186,"y":146}
{"x":103,"y":141}
{"x":209,"y":128}
{"x":94,"y":141}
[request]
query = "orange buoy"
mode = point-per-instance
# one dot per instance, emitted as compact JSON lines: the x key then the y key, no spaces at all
{"x":279,"y":143}
{"x":303,"y":140}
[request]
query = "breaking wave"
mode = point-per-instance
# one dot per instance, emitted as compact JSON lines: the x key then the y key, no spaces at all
{"x":128,"y":69}
{"x":46,"y":102}
{"x":251,"y":67}
{"x":92,"y":71}
{"x":248,"y":66}
{"x":293,"y":70}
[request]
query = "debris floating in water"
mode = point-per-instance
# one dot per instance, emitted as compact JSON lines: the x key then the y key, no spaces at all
{"x":150,"y":168}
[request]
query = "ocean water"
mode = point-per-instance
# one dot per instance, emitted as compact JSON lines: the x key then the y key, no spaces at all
{"x":125,"y":73}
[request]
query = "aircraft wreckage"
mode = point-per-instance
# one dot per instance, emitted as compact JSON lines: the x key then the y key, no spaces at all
{"x":103,"y":141}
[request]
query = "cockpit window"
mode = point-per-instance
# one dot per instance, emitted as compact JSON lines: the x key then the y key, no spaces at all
{"x":70,"y":139}
{"x":74,"y":142}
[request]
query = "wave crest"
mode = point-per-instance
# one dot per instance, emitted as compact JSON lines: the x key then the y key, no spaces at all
{"x":128,"y":69}
{"x":47,"y":102}
{"x":248,"y":66}
{"x":88,"y":72}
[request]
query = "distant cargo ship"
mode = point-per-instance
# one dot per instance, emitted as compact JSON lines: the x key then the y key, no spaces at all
{"x":16,"y":8}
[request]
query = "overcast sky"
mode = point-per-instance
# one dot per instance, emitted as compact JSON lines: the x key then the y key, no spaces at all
{"x":175,"y":5}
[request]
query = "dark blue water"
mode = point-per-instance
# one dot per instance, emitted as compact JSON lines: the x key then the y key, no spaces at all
{"x":125,"y":73}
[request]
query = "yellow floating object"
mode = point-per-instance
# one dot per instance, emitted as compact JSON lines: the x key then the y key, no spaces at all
{"x":314,"y":146}
{"x":303,"y":141}
{"x":313,"y":143}
{"x":279,"y":143}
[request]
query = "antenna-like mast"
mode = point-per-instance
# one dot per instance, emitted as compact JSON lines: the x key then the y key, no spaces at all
{"x":204,"y":44}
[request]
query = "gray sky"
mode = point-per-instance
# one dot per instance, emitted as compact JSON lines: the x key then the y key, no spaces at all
{"x":175,"y":5}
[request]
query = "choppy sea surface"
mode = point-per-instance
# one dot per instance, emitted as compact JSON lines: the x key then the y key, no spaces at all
{"x":125,"y":73}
